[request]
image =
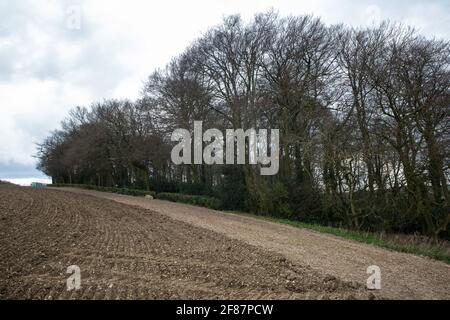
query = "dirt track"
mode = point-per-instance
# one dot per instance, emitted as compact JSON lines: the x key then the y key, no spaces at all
{"x":181,"y":251}
{"x":128,"y":252}
{"x":404,"y":276}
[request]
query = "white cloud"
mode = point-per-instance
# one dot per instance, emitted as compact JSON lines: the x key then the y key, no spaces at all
{"x":27,"y":181}
{"x":29,"y":110}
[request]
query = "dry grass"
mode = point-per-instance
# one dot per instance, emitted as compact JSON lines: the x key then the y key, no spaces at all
{"x":415,"y":244}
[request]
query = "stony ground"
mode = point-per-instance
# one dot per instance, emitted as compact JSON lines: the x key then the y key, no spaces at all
{"x":130,"y":252}
{"x":403,"y":276}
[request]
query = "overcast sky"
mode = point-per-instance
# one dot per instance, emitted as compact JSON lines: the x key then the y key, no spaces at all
{"x":51,"y":61}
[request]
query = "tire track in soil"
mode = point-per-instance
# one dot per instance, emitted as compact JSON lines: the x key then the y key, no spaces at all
{"x":127,"y":252}
{"x":404,"y":276}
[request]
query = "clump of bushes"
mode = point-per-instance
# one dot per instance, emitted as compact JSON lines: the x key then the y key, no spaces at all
{"x":232,"y":190}
{"x":204,"y":201}
{"x":126,"y":191}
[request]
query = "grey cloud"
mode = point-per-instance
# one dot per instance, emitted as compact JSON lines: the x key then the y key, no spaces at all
{"x":14,"y":170}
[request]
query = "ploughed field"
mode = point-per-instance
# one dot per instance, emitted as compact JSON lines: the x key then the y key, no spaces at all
{"x":128,"y":252}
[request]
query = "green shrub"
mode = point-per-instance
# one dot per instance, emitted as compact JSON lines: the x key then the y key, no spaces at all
{"x":126,"y":191}
{"x":280,"y":200}
{"x":204,"y":201}
{"x":232,"y":190}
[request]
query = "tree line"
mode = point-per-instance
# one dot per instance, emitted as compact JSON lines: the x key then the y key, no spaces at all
{"x":363,"y":115}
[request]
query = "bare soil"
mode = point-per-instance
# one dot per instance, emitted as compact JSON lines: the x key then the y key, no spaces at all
{"x":403,"y":276}
{"x":131,"y":252}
